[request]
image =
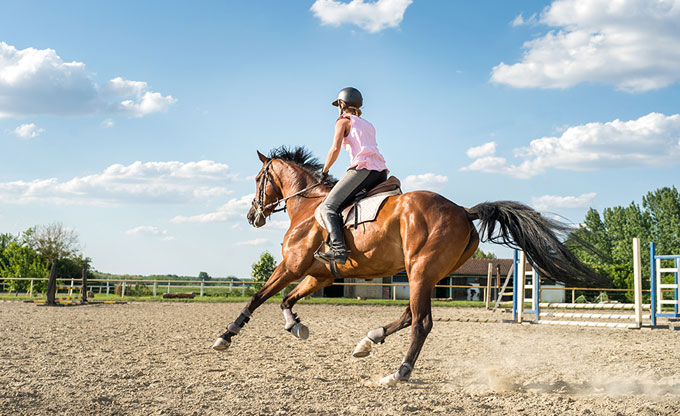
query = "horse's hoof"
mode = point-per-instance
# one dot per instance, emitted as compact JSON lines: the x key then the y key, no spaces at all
{"x":389,"y":381}
{"x":221,"y":344}
{"x":300,"y":331}
{"x":363,"y":348}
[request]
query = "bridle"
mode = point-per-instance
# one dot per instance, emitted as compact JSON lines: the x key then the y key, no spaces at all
{"x":258,"y":201}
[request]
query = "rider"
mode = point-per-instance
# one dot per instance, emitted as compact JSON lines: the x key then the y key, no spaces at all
{"x":367,"y":168}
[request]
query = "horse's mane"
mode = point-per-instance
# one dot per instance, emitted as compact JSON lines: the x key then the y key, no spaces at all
{"x":301,"y":157}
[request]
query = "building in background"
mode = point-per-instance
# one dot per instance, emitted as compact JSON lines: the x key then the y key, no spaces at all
{"x":472,"y":274}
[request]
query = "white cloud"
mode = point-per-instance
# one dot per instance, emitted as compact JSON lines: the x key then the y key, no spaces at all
{"x":423,"y":181}
{"x":38,"y":81}
{"x":150,"y":182}
{"x":28,"y":131}
{"x":108,"y":123}
{"x":555,"y":202}
{"x":648,"y":141}
{"x":521,"y":21}
{"x":255,"y":242}
{"x":149,"y":230}
{"x":279,"y":224}
{"x":234,"y":208}
{"x":632,"y":44}
{"x":144,"y":102}
{"x":484,"y":150}
{"x":370,"y":16}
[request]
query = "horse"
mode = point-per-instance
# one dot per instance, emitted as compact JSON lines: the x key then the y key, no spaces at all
{"x":420,"y":232}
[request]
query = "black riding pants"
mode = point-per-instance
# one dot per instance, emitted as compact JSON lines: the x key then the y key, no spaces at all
{"x":351,"y":183}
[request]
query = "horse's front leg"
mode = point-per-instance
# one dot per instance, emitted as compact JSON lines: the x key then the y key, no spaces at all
{"x":306,"y":287}
{"x":378,"y":335}
{"x":281,"y":277}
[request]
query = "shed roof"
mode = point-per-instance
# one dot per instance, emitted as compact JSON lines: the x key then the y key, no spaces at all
{"x":479,"y":267}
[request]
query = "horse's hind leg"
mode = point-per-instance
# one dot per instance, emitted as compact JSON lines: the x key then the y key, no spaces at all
{"x":378,"y":335}
{"x":421,"y":325}
{"x":309,"y":285}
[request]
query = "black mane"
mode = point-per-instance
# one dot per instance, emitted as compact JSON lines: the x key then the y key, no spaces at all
{"x":301,"y":157}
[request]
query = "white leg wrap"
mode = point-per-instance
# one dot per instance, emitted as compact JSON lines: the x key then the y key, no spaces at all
{"x":376,"y":335}
{"x":300,"y":331}
{"x":290,"y":320}
{"x":294,"y":327}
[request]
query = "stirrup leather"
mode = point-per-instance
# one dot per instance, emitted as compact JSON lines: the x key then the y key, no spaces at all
{"x":318,"y":254}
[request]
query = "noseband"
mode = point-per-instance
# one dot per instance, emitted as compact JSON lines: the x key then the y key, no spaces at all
{"x":259,"y":200}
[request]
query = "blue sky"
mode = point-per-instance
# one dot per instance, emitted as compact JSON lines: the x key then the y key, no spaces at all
{"x":136,"y":123}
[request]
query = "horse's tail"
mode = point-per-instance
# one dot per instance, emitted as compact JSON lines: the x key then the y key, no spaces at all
{"x":522,"y":227}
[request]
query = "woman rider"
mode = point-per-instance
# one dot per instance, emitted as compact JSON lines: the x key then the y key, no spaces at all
{"x":367,"y":169}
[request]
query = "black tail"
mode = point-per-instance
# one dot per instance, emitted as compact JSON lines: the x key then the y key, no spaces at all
{"x":524,"y":228}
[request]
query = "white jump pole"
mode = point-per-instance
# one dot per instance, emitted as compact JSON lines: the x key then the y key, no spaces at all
{"x":637,"y":306}
{"x":521,"y":280}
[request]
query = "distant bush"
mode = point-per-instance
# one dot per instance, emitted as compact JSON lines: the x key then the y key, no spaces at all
{"x":139,"y":289}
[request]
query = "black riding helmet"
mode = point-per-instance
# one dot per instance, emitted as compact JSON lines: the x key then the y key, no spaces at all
{"x":351,"y":96}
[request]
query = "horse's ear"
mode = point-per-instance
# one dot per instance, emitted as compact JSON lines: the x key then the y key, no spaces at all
{"x":262,"y":157}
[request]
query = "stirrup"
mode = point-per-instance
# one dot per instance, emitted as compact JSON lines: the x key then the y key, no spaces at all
{"x":327,"y":257}
{"x":330,"y":256}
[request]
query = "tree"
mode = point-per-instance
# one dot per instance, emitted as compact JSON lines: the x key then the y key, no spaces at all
{"x":263,"y":269}
{"x":204,"y":276}
{"x":53,"y":241}
{"x":18,"y":260}
{"x":608,"y":238}
{"x":663,"y":206}
{"x":479,"y":254}
{"x":5,"y":240}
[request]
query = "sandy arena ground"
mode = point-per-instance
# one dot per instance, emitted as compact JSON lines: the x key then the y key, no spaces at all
{"x":155,"y":358}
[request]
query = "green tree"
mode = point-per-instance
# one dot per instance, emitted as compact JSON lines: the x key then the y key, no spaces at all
{"x":22,"y":261}
{"x":53,"y":241}
{"x":5,"y":240}
{"x":263,"y":269}
{"x":663,"y":206}
{"x":480,"y":254}
{"x":72,"y":267}
{"x":607,"y":239}
{"x":204,"y":276}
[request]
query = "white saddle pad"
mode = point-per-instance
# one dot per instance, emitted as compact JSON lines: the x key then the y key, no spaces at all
{"x":368,"y":209}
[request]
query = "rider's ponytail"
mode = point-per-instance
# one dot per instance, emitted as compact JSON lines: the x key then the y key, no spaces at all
{"x":354,"y":110}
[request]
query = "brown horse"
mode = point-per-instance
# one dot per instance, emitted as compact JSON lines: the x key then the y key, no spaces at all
{"x":420,"y":232}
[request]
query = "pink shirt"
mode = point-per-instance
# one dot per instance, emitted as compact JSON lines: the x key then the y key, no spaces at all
{"x":361,"y":145}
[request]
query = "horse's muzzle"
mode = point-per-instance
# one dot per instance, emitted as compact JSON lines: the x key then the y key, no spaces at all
{"x":256,"y":218}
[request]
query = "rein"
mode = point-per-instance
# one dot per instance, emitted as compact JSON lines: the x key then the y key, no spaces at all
{"x":258,"y":201}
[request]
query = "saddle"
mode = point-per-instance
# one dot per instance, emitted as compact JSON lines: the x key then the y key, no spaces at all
{"x":366,"y":204}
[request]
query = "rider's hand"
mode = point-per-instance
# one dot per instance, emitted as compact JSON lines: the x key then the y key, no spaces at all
{"x":324,"y":177}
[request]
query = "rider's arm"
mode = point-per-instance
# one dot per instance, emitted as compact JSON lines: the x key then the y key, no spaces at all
{"x":341,"y":127}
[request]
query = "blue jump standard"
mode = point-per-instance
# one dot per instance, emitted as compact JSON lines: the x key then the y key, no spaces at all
{"x":535,"y":292}
{"x":653,"y":283}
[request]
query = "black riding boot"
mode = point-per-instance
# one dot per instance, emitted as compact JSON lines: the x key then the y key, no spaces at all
{"x":338,"y":249}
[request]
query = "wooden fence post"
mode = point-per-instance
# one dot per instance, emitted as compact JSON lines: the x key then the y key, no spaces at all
{"x":637,"y":275}
{"x":52,"y":285}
